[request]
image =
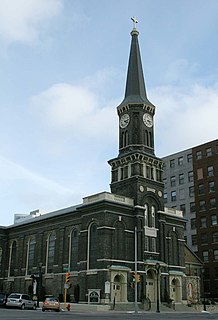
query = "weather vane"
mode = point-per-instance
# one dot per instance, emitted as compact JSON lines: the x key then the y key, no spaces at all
{"x":134,"y":22}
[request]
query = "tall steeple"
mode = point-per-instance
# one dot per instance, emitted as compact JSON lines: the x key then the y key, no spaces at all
{"x":136,"y":171}
{"x":135,"y":85}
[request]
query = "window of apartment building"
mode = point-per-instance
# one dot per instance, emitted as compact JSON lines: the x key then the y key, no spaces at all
{"x":193,"y":223}
{"x":204,"y":238}
{"x":215,"y":236}
{"x":185,"y":238}
{"x":185,"y":226}
{"x":180,"y":161}
{"x":189,"y":157}
{"x":202,"y":205}
{"x":182,"y":208}
{"x":164,"y":165}
{"x":198,"y":155}
{"x":165,"y":181}
{"x":205,"y":256}
{"x":213,"y":220}
{"x":190,"y":176}
{"x":201,"y":189}
{"x":181,"y":178}
{"x":206,"y":273}
{"x":194,"y":239}
{"x":192,"y":206}
{"x":191,"y":191}
{"x":173,"y":181}
{"x":165,"y":197}
{"x":172,"y":163}
{"x":209,"y":152}
{"x":211,"y":186}
{"x":210,"y":171}
{"x":173,"y":196}
{"x":212,"y":203}
{"x":203,"y":222}
{"x":215,"y":254}
{"x":200,"y":173}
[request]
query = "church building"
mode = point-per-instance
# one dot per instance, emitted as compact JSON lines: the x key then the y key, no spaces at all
{"x":111,"y":239}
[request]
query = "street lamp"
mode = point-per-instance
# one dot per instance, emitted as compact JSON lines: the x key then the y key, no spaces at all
{"x":157,"y":267}
{"x":39,"y":286}
{"x":204,"y":302}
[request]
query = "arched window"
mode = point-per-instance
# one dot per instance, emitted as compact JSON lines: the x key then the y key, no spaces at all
{"x":31,"y":255}
{"x":93,"y":246}
{"x":152,"y":216}
{"x":1,"y":253}
{"x":13,"y":258}
{"x":146,"y":138}
{"x":51,"y":252}
{"x":146,"y":215}
{"x":120,"y":252}
{"x":125,"y":138}
{"x":150,"y":140}
{"x":74,"y":250}
{"x":174,"y":249}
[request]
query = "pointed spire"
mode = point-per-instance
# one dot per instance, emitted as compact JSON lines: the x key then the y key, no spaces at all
{"x":135,"y":84}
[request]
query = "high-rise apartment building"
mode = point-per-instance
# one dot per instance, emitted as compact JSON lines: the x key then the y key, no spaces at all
{"x":191,"y":185}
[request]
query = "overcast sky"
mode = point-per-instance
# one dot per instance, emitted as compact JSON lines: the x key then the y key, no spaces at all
{"x":63,"y":66}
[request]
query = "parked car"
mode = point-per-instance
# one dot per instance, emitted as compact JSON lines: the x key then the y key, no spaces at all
{"x":51,"y":303}
{"x":3,"y":299}
{"x":20,"y":300}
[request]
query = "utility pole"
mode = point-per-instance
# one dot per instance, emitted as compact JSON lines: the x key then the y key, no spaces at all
{"x":136,"y":273}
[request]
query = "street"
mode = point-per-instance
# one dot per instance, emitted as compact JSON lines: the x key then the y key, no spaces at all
{"x":15,"y":314}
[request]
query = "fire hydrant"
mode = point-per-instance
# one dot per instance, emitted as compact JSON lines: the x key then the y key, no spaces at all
{"x":68,"y":307}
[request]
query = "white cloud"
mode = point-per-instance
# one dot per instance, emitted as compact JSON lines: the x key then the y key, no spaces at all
{"x":13,"y":171}
{"x":181,"y":71}
{"x":22,"y":20}
{"x":66,"y":107}
{"x":185,"y":116}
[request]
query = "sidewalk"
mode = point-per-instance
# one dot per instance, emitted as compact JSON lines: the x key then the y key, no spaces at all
{"x":130,"y":308}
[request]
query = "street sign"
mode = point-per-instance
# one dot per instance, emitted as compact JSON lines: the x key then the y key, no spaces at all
{"x":66,"y":268}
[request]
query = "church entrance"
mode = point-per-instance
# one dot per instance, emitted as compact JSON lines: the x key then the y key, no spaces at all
{"x":118,"y":292}
{"x":175,"y":290}
{"x":150,"y":285}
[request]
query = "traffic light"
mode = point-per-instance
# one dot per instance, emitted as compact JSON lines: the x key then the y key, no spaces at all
{"x":67,"y":279}
{"x":136,"y":277}
{"x":139,"y":278}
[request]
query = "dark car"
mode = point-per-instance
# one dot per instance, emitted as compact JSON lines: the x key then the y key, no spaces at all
{"x":3,"y":299}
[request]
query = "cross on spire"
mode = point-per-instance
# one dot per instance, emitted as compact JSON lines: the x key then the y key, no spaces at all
{"x":134,"y":22}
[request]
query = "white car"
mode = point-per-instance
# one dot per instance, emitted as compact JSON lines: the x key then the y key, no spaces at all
{"x":20,"y":300}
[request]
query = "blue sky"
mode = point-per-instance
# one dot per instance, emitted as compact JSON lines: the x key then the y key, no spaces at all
{"x":63,"y":69}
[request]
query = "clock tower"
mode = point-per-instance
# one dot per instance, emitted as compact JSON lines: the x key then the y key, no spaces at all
{"x":136,"y":172}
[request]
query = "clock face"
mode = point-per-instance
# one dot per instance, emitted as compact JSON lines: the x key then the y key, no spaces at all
{"x":147,"y":119}
{"x":124,"y":120}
